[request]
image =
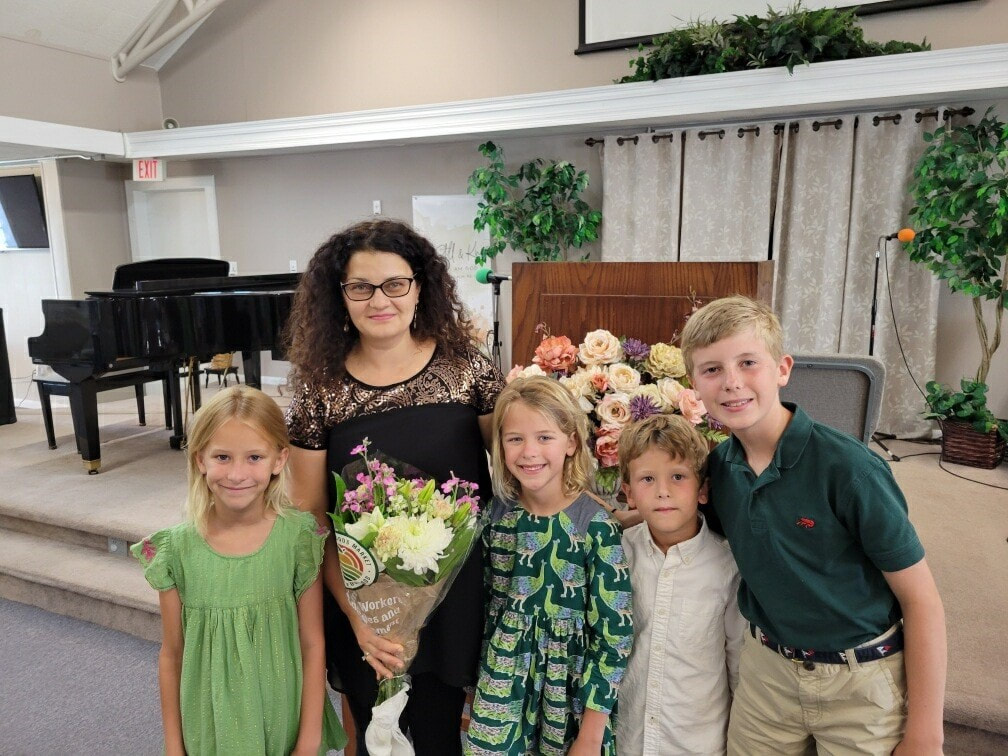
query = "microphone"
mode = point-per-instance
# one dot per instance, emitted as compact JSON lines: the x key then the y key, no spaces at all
{"x":487,"y":276}
{"x":905,"y":235}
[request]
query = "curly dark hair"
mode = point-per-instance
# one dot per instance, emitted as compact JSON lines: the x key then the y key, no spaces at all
{"x":319,"y":332}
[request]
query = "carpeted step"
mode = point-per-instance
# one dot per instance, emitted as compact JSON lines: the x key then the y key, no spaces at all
{"x":78,"y":581}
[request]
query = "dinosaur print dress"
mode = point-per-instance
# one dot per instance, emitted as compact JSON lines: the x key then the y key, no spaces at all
{"x":558,"y":632}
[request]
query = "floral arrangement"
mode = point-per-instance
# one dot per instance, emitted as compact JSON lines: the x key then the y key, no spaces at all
{"x":401,"y":539}
{"x":615,"y":381}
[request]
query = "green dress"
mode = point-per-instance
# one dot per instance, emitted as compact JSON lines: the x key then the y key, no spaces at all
{"x":559,"y":628}
{"x":240,"y":687}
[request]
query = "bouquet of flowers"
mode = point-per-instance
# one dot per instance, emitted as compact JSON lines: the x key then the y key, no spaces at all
{"x":617,"y":380}
{"x":401,"y":542}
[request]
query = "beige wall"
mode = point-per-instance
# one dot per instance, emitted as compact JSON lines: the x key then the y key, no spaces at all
{"x":94,"y":218}
{"x":256,"y":59}
{"x":45,"y":84}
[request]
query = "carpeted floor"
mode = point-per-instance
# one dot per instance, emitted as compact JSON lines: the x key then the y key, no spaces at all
{"x":962,"y":523}
{"x":71,"y":687}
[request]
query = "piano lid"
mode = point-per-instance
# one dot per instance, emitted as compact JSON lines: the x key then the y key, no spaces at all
{"x":181,"y":286}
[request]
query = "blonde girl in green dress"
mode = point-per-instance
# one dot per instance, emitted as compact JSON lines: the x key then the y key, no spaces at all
{"x":559,"y":624}
{"x":242,"y":663}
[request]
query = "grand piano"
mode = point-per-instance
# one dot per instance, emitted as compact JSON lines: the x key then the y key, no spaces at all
{"x":159,"y":315}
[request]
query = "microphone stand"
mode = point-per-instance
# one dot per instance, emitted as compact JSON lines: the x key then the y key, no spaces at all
{"x":876,"y":437}
{"x":495,"y":349}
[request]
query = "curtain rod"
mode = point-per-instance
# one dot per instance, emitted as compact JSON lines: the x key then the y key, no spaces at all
{"x":778,"y":128}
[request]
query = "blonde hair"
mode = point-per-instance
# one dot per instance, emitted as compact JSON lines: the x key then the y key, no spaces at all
{"x":672,"y":434}
{"x":256,"y":410}
{"x":557,"y":404}
{"x":727,"y":317}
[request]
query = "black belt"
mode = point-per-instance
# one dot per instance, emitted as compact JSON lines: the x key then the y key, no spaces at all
{"x":887,"y":646}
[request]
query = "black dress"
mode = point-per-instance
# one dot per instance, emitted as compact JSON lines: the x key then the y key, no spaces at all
{"x":429,"y":421}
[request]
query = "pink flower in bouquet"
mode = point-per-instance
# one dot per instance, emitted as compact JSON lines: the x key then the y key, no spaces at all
{"x":555,"y":354}
{"x":614,"y":409}
{"x":599,"y":379}
{"x":691,"y":407}
{"x":607,"y":445}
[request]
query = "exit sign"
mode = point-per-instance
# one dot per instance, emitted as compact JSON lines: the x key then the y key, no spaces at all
{"x":148,"y":169}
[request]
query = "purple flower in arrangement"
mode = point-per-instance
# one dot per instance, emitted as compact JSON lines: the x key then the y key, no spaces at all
{"x":636,"y":350}
{"x":148,"y":549}
{"x":449,"y":484}
{"x":643,"y":406}
{"x":361,"y":448}
{"x":715,"y":425}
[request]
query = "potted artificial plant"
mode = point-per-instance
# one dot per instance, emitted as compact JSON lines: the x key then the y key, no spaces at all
{"x":960,"y":188}
{"x":538,"y":210}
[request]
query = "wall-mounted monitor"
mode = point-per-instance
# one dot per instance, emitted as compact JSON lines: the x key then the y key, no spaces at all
{"x":22,"y":213}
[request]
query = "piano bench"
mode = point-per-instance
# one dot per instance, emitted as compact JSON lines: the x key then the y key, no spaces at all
{"x":48,"y":388}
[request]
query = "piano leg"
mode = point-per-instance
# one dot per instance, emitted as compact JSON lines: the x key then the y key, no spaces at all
{"x":252,"y":361}
{"x":166,"y":390}
{"x":175,"y":391}
{"x":141,"y":413}
{"x":84,"y":411}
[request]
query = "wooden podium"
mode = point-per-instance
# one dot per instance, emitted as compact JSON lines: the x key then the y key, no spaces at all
{"x":645,"y":300}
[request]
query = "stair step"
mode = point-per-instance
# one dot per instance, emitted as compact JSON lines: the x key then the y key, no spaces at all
{"x":78,"y":581}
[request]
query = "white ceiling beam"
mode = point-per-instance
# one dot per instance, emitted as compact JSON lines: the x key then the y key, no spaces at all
{"x":152,"y":35}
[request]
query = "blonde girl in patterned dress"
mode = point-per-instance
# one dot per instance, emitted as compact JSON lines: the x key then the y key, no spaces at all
{"x":242,"y":663}
{"x":559,"y":627}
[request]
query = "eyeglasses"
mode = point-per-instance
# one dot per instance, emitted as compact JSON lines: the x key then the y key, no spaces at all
{"x":361,"y":291}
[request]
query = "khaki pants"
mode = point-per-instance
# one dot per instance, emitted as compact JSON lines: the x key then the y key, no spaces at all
{"x":780,"y":707}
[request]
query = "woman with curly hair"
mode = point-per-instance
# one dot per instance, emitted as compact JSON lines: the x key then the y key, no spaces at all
{"x":381,"y":348}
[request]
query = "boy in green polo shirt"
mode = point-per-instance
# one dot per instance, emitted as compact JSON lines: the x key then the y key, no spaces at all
{"x":846,"y":651}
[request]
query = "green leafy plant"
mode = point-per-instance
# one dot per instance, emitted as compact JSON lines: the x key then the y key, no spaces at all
{"x":538,"y":210}
{"x":960,"y":188}
{"x":788,"y":38}
{"x":969,"y":405}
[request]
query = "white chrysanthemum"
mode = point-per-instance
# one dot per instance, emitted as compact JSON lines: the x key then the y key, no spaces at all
{"x":423,"y":544}
{"x":369,"y":522}
{"x":623,"y":378}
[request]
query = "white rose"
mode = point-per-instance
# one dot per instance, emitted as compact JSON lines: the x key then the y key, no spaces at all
{"x":623,"y":378}
{"x":600,"y":348}
{"x":579,"y":384}
{"x":614,"y":409}
{"x":669,"y":390}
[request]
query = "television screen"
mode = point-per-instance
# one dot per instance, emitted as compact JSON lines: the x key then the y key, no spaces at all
{"x":22,"y":215}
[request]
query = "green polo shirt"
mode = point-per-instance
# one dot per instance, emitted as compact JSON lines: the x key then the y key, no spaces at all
{"x":813,"y":534}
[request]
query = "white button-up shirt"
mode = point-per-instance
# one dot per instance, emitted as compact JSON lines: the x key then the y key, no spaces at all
{"x":678,"y":686}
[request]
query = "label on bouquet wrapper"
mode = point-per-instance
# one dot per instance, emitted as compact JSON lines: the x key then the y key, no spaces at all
{"x":358,"y":566}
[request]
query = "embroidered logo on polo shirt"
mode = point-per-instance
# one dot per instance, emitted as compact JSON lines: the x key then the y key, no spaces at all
{"x":805,"y":522}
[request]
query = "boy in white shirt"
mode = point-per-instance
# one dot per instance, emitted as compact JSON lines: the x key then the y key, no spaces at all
{"x":677,"y":691}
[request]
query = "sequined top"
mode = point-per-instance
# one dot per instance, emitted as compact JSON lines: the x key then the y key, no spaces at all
{"x":469,"y":378}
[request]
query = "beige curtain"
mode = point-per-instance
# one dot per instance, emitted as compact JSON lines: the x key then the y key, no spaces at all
{"x":729,"y":188}
{"x":640,"y":197}
{"x":811,"y":235}
{"x":886,"y":148}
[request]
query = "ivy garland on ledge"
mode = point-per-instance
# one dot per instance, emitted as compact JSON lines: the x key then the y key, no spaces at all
{"x":787,"y":38}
